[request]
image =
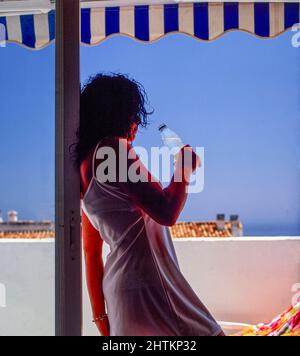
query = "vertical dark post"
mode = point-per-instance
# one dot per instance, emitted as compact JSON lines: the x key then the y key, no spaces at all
{"x":67,"y":210}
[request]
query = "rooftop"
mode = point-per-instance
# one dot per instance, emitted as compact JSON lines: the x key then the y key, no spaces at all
{"x":46,"y":234}
{"x":220,"y":228}
{"x":204,"y":229}
{"x":25,"y":229}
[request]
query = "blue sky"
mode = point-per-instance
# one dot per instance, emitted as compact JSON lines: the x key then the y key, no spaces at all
{"x":238,"y":97}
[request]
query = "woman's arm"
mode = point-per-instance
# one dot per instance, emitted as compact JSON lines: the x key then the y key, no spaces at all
{"x":163,"y":205}
{"x":93,"y":246}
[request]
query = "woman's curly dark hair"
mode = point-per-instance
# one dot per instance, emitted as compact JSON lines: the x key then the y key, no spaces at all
{"x":109,"y":105}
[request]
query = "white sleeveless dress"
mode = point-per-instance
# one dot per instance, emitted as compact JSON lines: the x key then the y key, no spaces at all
{"x":145,"y":292}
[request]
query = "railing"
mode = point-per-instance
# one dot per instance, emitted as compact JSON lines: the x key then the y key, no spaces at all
{"x":243,"y":280}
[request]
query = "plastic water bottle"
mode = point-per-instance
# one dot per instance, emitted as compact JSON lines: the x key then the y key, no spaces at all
{"x":171,"y":139}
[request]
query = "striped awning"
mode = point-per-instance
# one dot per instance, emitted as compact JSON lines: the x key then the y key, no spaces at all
{"x":203,"y":21}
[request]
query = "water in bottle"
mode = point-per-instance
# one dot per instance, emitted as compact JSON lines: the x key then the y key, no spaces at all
{"x":171,"y":139}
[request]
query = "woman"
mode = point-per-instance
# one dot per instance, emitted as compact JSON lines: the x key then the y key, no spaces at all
{"x":140,"y":284}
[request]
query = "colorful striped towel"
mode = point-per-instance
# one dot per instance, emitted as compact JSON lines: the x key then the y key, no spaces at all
{"x":286,"y":324}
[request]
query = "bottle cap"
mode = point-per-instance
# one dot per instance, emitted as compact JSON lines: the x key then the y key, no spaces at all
{"x":161,"y":127}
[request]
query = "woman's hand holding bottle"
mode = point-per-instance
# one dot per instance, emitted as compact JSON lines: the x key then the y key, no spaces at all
{"x":187,"y":162}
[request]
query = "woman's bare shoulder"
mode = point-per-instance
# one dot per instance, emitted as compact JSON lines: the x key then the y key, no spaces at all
{"x":117,"y":143}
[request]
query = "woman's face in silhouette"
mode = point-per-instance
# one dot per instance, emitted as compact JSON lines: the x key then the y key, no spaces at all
{"x":133,"y":132}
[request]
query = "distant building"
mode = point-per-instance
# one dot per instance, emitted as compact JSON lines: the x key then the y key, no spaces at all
{"x":236,"y":228}
{"x":18,"y":229}
{"x":12,"y":216}
{"x":219,"y":228}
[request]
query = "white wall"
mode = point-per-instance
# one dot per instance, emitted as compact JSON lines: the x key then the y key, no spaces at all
{"x":27,"y":271}
{"x":243,"y":280}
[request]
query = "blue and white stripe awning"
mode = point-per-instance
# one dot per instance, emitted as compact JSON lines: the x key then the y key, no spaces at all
{"x":204,"y":21}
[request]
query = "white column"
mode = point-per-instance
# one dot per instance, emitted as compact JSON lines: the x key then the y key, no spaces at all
{"x":67,"y":207}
